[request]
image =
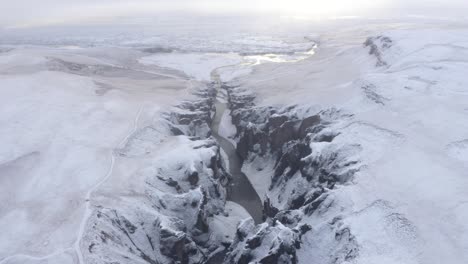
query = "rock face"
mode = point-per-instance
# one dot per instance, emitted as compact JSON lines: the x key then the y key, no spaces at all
{"x":193,"y":118}
{"x":280,"y":242}
{"x":169,"y":220}
{"x":377,"y":46}
{"x":307,"y":166}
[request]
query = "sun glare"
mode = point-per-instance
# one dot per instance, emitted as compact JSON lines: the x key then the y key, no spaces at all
{"x":328,"y":7}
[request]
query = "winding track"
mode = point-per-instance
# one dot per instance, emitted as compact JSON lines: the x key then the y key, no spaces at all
{"x":76,"y":245}
{"x":98,"y":184}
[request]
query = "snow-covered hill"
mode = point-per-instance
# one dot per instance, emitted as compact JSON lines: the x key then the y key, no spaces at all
{"x":392,"y":113}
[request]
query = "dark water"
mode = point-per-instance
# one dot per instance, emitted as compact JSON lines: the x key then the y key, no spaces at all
{"x":240,"y":190}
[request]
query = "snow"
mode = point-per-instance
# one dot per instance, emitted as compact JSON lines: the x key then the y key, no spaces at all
{"x":226,"y":128}
{"x":259,"y":174}
{"x":409,"y":119}
{"x":74,"y":139}
{"x":196,"y":65}
{"x":230,"y":65}
{"x":58,"y":136}
{"x":224,"y":226}
{"x":230,"y":73}
{"x":458,"y":150}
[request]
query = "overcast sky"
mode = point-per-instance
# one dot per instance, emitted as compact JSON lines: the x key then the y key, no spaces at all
{"x":42,"y":12}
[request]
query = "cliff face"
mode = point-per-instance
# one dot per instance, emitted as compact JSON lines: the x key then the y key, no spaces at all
{"x":305,"y":166}
{"x":169,"y":221}
{"x":185,"y":189}
{"x":371,"y":156}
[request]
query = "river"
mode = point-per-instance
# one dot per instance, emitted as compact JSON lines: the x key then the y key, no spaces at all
{"x":240,"y":190}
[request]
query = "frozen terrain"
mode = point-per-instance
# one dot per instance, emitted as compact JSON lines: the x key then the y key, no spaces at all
{"x":116,"y":149}
{"x":400,"y":102}
{"x":61,"y":124}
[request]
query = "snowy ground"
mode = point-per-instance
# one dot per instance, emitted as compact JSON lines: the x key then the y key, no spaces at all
{"x":198,"y":66}
{"x":224,"y":226}
{"x":60,"y":125}
{"x":410,"y":118}
{"x":73,"y":133}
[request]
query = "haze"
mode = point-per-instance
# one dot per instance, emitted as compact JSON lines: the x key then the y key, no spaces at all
{"x":25,"y":13}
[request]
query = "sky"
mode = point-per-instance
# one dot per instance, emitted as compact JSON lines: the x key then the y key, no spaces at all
{"x":18,"y":13}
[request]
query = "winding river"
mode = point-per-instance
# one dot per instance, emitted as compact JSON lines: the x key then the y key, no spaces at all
{"x":240,"y":190}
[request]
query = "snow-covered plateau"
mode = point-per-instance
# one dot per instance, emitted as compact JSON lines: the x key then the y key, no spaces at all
{"x":349,"y":145}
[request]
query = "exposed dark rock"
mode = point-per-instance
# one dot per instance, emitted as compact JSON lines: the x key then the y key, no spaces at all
{"x":193,"y":178}
{"x":202,"y":224}
{"x":129,"y":226}
{"x":157,"y":50}
{"x":288,"y":218}
{"x":305,"y":228}
{"x":307,"y":124}
{"x":176,"y":131}
{"x":325,"y":137}
{"x":254,"y":242}
{"x":294,"y":151}
{"x":268,"y":209}
{"x":251,"y":138}
{"x":244,"y":229}
{"x":171,"y":182}
{"x":371,"y":93}
{"x":193,"y":118}
{"x":273,"y":243}
{"x":217,"y":166}
{"x":239,"y":100}
{"x":284,"y":254}
{"x":311,"y":207}
{"x":377,"y":45}
{"x":217,"y":257}
{"x":285,"y":133}
{"x":298,"y":202}
{"x":275,"y":121}
{"x":349,"y":246}
{"x":245,"y":258}
{"x":177,"y":246}
{"x":90,"y":247}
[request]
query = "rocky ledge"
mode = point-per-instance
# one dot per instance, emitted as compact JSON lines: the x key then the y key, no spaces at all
{"x":294,"y":148}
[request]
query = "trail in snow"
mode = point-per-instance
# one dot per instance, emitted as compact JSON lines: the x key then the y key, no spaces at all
{"x":88,"y":210}
{"x":98,"y":184}
{"x":56,"y":253}
{"x":75,"y":246}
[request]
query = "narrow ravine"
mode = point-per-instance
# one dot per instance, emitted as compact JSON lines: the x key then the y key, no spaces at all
{"x":240,"y":190}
